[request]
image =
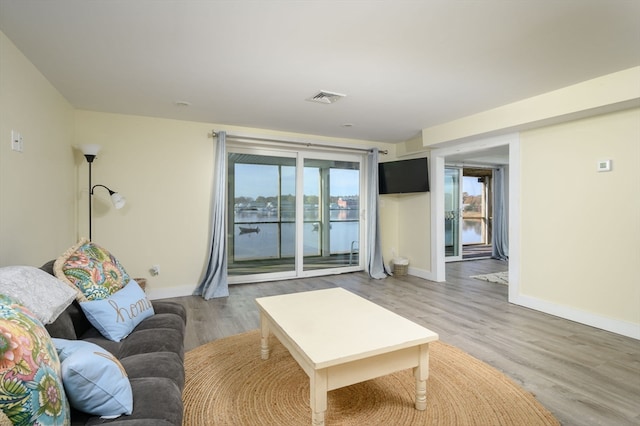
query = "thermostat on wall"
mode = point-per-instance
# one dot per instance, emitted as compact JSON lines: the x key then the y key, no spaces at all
{"x":604,"y":165}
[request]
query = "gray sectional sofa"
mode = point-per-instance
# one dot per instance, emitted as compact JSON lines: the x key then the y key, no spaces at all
{"x":152,"y":355}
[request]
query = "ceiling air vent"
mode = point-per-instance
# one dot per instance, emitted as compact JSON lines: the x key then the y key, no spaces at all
{"x":325,"y":97}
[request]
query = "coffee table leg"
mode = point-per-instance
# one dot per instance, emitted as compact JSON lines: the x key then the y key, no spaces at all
{"x":264,"y":341}
{"x":421,"y":373}
{"x":318,"y":399}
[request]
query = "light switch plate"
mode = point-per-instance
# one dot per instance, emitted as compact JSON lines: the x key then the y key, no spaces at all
{"x":604,"y":165}
{"x":16,"y":141}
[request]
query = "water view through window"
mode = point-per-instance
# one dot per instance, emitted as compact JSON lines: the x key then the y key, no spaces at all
{"x":473,"y":210}
{"x":262,"y":214}
{"x":467,"y":210}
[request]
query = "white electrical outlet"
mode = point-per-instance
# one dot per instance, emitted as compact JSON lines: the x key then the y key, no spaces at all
{"x":16,"y":141}
{"x":155,"y":270}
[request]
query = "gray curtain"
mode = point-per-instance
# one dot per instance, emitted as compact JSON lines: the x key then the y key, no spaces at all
{"x":214,"y":283}
{"x":375,"y":265}
{"x":500,"y":235}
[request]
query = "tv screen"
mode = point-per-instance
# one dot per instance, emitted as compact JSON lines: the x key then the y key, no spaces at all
{"x":405,"y":176}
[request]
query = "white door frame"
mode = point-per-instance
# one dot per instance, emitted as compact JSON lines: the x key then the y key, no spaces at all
{"x":438,"y":156}
{"x":321,"y":155}
{"x":457,"y":257}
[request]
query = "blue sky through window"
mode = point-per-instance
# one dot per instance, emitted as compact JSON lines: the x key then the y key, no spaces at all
{"x":471,"y":186}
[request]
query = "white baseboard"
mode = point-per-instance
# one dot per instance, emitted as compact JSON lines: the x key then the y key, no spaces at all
{"x":621,"y":327}
{"x":421,"y":273}
{"x":165,"y":293}
{"x":624,"y":328}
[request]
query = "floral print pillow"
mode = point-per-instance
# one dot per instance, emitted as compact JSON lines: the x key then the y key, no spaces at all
{"x":94,"y":272}
{"x":31,"y":390}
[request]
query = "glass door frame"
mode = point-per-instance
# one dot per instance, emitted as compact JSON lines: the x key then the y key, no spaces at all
{"x":329,"y":156}
{"x":454,"y":215}
{"x":256,"y":277}
{"x":486,"y":214}
{"x":300,"y":155}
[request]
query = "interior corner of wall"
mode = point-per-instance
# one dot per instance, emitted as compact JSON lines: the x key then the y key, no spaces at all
{"x":411,"y":146}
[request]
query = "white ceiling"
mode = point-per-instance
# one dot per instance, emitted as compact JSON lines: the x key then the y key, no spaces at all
{"x":404,"y":65}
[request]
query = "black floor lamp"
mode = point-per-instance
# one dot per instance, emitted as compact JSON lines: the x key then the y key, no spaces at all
{"x":90,"y":152}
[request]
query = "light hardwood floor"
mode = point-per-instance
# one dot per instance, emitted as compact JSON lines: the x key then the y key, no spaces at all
{"x":583,"y":375}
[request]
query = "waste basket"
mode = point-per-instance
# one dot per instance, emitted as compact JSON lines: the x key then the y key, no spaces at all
{"x":400,"y":266}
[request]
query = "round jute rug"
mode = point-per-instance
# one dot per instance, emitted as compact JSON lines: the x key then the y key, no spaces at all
{"x":227,"y":383}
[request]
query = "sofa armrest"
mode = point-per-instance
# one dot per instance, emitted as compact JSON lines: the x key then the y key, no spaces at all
{"x":165,"y":307}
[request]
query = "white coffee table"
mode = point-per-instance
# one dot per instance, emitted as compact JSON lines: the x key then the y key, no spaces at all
{"x":339,"y":338}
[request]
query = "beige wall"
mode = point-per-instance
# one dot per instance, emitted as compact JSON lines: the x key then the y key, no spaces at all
{"x":37,"y":186}
{"x":405,"y":218}
{"x":405,"y":230}
{"x":388,"y":207}
{"x":164,"y":169}
{"x":577,"y":231}
{"x":579,"y":236}
{"x":580,"y":229}
{"x":414,"y":230}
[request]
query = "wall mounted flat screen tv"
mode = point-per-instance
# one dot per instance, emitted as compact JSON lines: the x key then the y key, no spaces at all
{"x":404,"y":176}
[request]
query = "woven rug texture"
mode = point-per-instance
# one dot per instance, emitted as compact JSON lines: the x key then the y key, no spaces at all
{"x":227,"y":383}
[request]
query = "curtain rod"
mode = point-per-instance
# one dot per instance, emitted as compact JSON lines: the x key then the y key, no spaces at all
{"x":214,"y":134}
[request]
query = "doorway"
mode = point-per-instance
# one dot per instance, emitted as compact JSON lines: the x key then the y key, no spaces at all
{"x":468,"y":212}
{"x":477,"y":212}
{"x":500,"y":150}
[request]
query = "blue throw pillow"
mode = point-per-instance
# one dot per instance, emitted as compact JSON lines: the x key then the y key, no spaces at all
{"x":116,"y":316}
{"x":94,"y":380}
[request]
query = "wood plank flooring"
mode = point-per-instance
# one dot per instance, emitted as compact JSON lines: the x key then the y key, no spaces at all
{"x":583,"y":375}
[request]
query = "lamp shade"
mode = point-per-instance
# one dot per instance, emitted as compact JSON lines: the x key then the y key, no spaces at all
{"x":90,"y":149}
{"x":118,"y":200}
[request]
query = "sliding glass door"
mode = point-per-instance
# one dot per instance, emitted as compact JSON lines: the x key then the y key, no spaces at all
{"x":467,"y":213}
{"x":452,"y":213}
{"x":292,"y":214}
{"x":477,"y":211}
{"x":261,"y":214}
{"x":331,"y":214}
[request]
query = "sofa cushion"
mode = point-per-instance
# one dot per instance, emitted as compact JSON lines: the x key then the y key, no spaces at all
{"x":92,"y":270}
{"x":27,"y":284}
{"x":117,"y":315}
{"x":63,"y":326}
{"x":156,"y":364}
{"x":94,"y":380}
{"x":71,"y":324}
{"x":143,"y":342}
{"x":152,"y":355}
{"x":156,"y":405}
{"x":31,"y":388}
{"x":158,"y":401}
{"x":166,"y":307}
{"x":164,"y":320}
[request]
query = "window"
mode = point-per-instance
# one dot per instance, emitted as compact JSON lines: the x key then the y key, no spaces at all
{"x":286,"y":221}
